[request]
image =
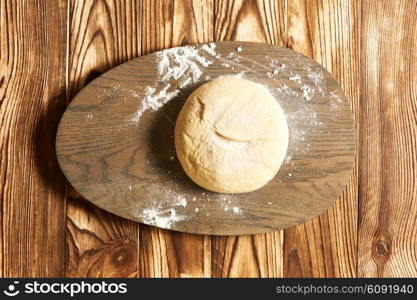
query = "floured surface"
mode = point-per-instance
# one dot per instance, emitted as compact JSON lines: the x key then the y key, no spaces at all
{"x":115,"y":143}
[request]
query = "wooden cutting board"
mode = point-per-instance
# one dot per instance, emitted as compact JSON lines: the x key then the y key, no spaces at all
{"x":115,"y":142}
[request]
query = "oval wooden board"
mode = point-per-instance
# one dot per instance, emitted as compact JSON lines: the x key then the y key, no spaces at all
{"x":124,"y":161}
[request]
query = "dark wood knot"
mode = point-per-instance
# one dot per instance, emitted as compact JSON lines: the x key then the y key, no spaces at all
{"x":382,"y":248}
{"x":121,"y":257}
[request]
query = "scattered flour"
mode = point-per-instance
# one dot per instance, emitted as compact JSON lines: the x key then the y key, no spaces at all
{"x":237,"y":210}
{"x":285,"y":89}
{"x":185,"y":83}
{"x":333,"y":95}
{"x":240,"y":74}
{"x":316,"y":78}
{"x":308,"y":92}
{"x":180,"y":200}
{"x":296,"y":78}
{"x":209,"y":48}
{"x":181,"y":66}
{"x":162,"y":214}
{"x":155,"y":100}
{"x":176,"y":62}
{"x":231,"y":55}
{"x":163,"y":218}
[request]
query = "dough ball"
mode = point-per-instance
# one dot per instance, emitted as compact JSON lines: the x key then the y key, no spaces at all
{"x":231,"y":136}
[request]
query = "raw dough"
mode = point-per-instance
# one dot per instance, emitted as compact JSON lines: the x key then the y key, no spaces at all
{"x":231,"y":136}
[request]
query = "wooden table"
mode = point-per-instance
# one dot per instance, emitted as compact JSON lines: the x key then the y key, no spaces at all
{"x":50,"y":49}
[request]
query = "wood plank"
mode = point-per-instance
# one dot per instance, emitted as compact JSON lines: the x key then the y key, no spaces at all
{"x":387,"y":242}
{"x":255,"y":255}
{"x":32,"y":98}
{"x":167,"y":24}
{"x":328,"y":32}
{"x":253,"y":20}
{"x":103,"y":34}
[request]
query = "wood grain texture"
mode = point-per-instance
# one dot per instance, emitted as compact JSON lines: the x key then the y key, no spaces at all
{"x":168,"y":24}
{"x":34,"y":36}
{"x":250,"y":20}
{"x":387,"y":237}
{"x":32,"y":97}
{"x":102,"y":35}
{"x":327,"y":31}
{"x":257,"y":255}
